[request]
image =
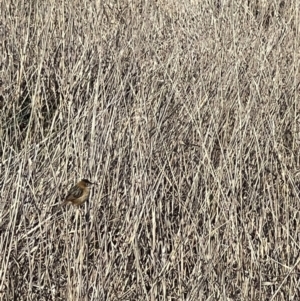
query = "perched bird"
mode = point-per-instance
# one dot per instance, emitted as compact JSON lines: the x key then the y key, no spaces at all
{"x":79,"y":193}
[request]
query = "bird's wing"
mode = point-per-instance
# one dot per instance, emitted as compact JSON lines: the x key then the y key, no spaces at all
{"x":74,"y":193}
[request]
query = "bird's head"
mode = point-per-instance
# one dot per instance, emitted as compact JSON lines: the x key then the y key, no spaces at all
{"x":86,"y":182}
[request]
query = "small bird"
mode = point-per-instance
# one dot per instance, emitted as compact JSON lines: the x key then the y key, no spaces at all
{"x":79,"y":193}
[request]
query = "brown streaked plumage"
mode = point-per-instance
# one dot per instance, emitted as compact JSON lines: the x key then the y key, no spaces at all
{"x":79,"y":193}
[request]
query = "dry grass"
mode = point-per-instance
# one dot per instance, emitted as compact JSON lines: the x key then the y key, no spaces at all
{"x":186,"y":114}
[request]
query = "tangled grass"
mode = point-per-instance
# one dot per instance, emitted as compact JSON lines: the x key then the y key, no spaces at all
{"x":186,"y":114}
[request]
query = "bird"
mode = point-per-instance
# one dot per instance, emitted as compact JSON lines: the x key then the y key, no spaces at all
{"x":79,"y":193}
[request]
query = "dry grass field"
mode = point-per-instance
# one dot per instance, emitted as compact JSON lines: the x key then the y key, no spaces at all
{"x":186,"y":114}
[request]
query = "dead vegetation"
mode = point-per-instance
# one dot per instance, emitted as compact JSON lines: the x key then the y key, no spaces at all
{"x":187,"y":117}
